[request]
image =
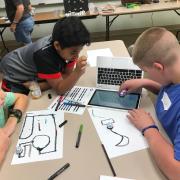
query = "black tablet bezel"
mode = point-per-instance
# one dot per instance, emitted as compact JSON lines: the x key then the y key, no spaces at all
{"x":137,"y":103}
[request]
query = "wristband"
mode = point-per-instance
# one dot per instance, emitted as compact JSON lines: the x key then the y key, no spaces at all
{"x":16,"y":113}
{"x":148,"y":127}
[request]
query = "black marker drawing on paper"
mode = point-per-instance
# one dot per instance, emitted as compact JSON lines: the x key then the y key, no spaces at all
{"x":38,"y":135}
{"x":108,"y":122}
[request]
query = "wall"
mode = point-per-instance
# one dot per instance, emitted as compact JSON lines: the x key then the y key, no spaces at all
{"x":98,"y":24}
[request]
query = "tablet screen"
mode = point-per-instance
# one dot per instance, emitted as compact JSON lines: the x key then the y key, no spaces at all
{"x":112,"y":99}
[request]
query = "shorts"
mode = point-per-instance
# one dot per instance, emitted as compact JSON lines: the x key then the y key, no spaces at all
{"x":24,"y":30}
{"x":8,"y":86}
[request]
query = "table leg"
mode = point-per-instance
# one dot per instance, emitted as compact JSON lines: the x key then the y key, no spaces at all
{"x":107,"y":28}
{"x":1,"y":34}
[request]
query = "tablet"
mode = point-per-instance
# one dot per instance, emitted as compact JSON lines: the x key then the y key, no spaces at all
{"x":111,"y":99}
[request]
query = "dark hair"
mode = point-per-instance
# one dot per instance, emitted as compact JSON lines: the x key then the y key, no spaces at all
{"x":70,"y":31}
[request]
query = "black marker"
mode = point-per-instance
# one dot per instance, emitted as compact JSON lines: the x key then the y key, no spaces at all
{"x":58,"y":172}
{"x":79,"y":135}
{"x":63,"y":123}
{"x":109,"y":161}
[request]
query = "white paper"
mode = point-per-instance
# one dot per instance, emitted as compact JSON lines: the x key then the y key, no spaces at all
{"x":166,"y":101}
{"x":113,"y":178}
{"x":77,"y":94}
{"x":40,"y":137}
{"x":92,"y":55}
{"x":115,"y":131}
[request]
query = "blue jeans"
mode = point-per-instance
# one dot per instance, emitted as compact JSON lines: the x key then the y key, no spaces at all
{"x":24,"y":30}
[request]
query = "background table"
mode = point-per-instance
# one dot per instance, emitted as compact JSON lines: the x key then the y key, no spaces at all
{"x":43,"y":18}
{"x":87,"y":162}
{"x":143,"y":8}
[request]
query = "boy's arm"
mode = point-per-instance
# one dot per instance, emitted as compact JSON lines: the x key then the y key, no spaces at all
{"x":68,"y":71}
{"x":152,"y":86}
{"x":135,"y":84}
{"x":161,"y":150}
{"x":45,"y":85}
{"x":69,"y":79}
{"x":4,"y":143}
{"x":63,"y":85}
{"x":163,"y":154}
{"x":21,"y":104}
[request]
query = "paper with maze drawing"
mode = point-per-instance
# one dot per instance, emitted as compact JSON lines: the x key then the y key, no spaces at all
{"x":117,"y":134}
{"x":40,"y":137}
{"x":78,"y":94}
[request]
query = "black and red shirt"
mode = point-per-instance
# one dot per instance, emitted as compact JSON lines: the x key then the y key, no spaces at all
{"x":36,"y":61}
{"x":49,"y":64}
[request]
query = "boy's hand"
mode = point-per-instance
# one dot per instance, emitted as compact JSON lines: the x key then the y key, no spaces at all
{"x":131,"y":85}
{"x":81,"y":65}
{"x":140,"y":118}
{"x":4,"y":144}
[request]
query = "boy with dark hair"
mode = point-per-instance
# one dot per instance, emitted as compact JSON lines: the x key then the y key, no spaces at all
{"x":157,"y":52}
{"x":51,"y":61}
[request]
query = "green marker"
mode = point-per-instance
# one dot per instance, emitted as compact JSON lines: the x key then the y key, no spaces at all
{"x":79,"y":135}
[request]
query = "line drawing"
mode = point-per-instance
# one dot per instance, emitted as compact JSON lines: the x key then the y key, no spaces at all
{"x":108,"y":122}
{"x":40,"y":138}
{"x":116,"y":132}
{"x":41,"y":141}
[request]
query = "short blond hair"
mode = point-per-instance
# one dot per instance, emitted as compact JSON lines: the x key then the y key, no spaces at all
{"x":154,"y":44}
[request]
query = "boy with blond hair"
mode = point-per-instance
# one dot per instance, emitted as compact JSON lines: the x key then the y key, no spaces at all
{"x":157,"y":52}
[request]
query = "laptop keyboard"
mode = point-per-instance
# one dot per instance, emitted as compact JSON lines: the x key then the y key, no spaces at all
{"x":113,"y":76}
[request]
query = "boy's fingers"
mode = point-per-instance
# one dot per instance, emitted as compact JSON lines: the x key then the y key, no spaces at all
{"x":83,"y":58}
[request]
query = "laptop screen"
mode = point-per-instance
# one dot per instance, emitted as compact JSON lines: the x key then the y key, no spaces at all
{"x":113,"y":71}
{"x":111,"y":99}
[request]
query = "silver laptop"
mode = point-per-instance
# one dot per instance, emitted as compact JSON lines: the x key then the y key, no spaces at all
{"x":113,"y":71}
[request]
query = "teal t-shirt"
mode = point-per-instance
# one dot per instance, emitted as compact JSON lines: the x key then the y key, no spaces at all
{"x":9,"y":101}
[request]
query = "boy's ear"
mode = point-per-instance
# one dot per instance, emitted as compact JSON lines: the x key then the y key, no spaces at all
{"x":57,"y":45}
{"x":158,"y":66}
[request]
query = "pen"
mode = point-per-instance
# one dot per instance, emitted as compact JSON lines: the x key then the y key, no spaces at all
{"x":79,"y":135}
{"x":109,"y":161}
{"x":59,"y":102}
{"x":74,"y":104}
{"x":58,"y":172}
{"x":72,"y":101}
{"x":63,"y":123}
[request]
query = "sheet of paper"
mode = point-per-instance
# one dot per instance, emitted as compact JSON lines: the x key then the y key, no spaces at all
{"x":78,"y":94}
{"x":92,"y":55}
{"x":115,"y":131}
{"x":40,"y":137}
{"x":113,"y":178}
{"x":34,"y":2}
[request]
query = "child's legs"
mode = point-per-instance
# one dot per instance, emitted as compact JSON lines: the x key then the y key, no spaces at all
{"x":13,"y":87}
